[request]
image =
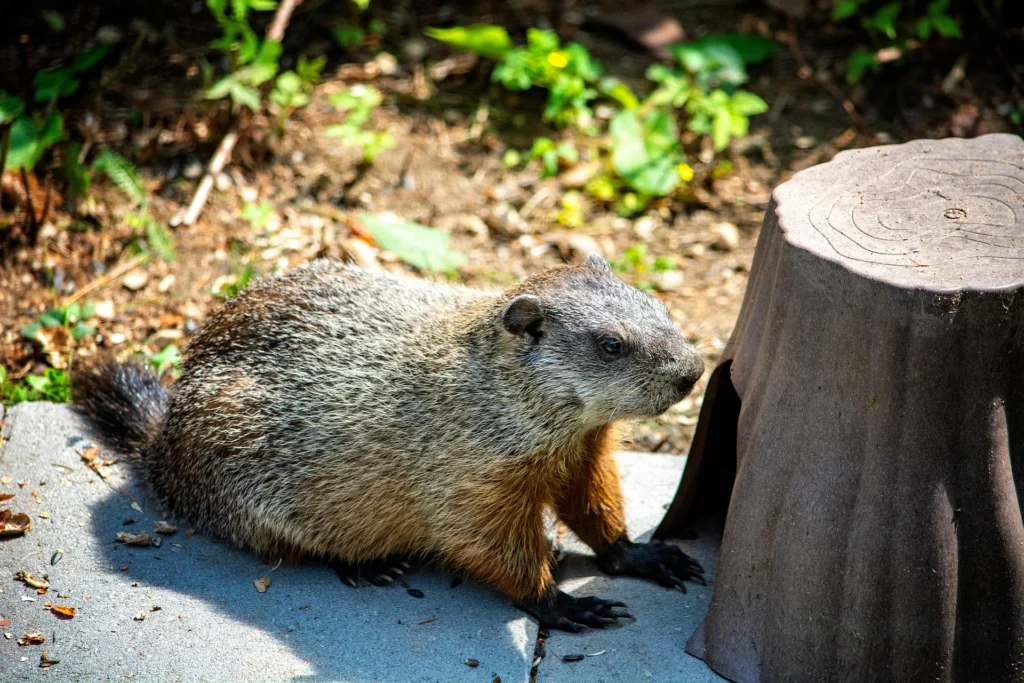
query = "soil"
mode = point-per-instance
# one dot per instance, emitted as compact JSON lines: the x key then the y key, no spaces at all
{"x":451,"y":129}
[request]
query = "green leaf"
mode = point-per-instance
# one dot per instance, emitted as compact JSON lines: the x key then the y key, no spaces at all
{"x":263,"y":5}
{"x":541,"y":40}
{"x":483,"y":39}
{"x":361,"y":4}
{"x":721,"y":129}
{"x":10,"y":107}
{"x":859,"y":61}
{"x":221,"y":88}
{"x":946,"y":26}
{"x":747,"y":103}
{"x":240,"y":8}
{"x":55,"y":20}
{"x":628,"y":151}
{"x":81,"y":330}
{"x":122,"y":173}
{"x":78,"y":176}
{"x":618,"y":91}
{"x":923,"y":28}
{"x":658,"y":178}
{"x":289,"y":82}
{"x":258,"y":215}
{"x":347,"y":36}
{"x":660,"y":133}
{"x":845,"y":9}
{"x":418,"y":245}
{"x":167,"y":358}
{"x":884,"y":19}
{"x":752,"y":48}
{"x":938,"y":7}
{"x":160,"y":241}
{"x":245,"y":96}
{"x":29,"y":141}
{"x":30,"y":330}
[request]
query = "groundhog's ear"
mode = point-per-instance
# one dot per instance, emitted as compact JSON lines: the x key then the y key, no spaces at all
{"x":524,"y":315}
{"x":597,"y":261}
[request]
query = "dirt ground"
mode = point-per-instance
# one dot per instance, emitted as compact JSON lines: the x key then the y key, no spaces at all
{"x":444,"y":171}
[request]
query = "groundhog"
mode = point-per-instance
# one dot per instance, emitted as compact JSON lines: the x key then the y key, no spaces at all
{"x":355,"y":416}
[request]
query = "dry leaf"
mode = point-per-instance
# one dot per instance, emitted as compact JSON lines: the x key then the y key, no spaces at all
{"x":162,"y":527}
{"x":63,"y":611}
{"x":141,"y":538}
{"x":94,"y":462}
{"x":141,"y":616}
{"x":5,"y":480}
{"x":30,"y":580}
{"x":157,"y":540}
{"x":262,"y":584}
{"x":13,"y":523}
{"x":6,"y":496}
{"x":45,"y":661}
{"x":32,"y":638}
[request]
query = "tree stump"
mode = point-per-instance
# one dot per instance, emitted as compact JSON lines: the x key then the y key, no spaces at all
{"x":872,"y":397}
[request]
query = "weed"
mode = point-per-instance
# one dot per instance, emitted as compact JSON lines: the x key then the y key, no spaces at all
{"x":418,"y":245}
{"x":358,"y":102}
{"x":552,"y":154}
{"x":167,"y":359}
{"x":53,"y":385}
{"x":71,"y":317}
{"x":637,"y":261}
{"x":258,"y":215}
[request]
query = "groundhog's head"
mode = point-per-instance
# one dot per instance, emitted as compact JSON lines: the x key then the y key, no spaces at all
{"x":588,"y":340}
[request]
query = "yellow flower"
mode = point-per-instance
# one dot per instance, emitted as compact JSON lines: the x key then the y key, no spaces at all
{"x":558,"y":59}
{"x":685,"y":172}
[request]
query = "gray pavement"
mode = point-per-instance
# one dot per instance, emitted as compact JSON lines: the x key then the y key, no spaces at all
{"x":205,"y":620}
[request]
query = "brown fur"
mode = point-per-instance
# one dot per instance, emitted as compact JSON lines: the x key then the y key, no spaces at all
{"x":334,"y":413}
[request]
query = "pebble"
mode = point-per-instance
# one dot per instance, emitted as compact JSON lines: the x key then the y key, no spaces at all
{"x":727,"y":237}
{"x":135,"y":280}
{"x":667,"y":280}
{"x":579,"y":175}
{"x":474,"y":225}
{"x":166,"y":284}
{"x":504,"y":218}
{"x":116,"y":338}
{"x":644,"y":228}
{"x":584,"y":246}
{"x":414,"y":49}
{"x":104,"y":310}
{"x":222,"y":182}
{"x":805,"y":142}
{"x":193,"y":170}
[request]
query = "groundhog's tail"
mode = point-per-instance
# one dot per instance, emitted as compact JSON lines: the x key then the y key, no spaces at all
{"x":124,"y":402}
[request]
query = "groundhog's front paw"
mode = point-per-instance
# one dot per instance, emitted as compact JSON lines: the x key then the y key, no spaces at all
{"x":563,"y":611}
{"x":666,"y":564}
{"x":380,"y":572}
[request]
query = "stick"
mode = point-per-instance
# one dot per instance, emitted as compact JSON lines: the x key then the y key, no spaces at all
{"x":112,"y":275}
{"x":223,"y":154}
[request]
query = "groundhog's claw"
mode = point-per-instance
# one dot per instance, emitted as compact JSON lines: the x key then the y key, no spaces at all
{"x":660,"y":562}
{"x":383,"y":572}
{"x":567,"y":613}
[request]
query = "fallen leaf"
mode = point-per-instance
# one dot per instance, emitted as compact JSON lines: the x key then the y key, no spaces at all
{"x":63,"y":611}
{"x":44,"y":515}
{"x":5,"y":622}
{"x":190,"y":532}
{"x":157,"y":541}
{"x":32,"y":638}
{"x":5,"y":480}
{"x":262,"y":584}
{"x":141,"y":538}
{"x":14,"y":523}
{"x":45,"y":661}
{"x":30,"y":580}
{"x":141,"y":616}
{"x":94,"y":462}
{"x":6,"y":496}
{"x":162,"y":527}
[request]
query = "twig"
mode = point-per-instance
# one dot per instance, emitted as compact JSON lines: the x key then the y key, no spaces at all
{"x":112,"y":275}
{"x":29,"y":208}
{"x":223,"y":154}
{"x":5,"y":144}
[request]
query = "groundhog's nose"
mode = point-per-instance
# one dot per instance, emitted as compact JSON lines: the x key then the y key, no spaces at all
{"x":691,"y":367}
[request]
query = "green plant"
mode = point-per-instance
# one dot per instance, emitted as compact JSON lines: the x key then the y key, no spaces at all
{"x":168,"y":358}
{"x":258,"y":215}
{"x":158,"y":240}
{"x":53,"y":385}
{"x":568,"y":73}
{"x":71,"y":317}
{"x":892,"y":29}
{"x":358,"y":102}
{"x":646,"y":152}
{"x":252,"y":61}
{"x":231,"y":286}
{"x":418,"y":245}
{"x":293,"y":88}
{"x":550,"y":154}
{"x":637,"y":261}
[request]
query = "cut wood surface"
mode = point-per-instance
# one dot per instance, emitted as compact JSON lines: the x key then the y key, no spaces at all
{"x":874,"y":530}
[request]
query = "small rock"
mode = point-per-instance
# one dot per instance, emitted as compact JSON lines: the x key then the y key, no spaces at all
{"x":504,"y":218}
{"x":141,"y":616}
{"x":104,"y":310}
{"x":474,"y":225}
{"x":414,"y":49}
{"x":385,"y":64}
{"x":667,"y":280}
{"x":109,"y":35}
{"x":727,"y":237}
{"x":135,"y":280}
{"x":166,"y":284}
{"x":579,"y":175}
{"x":116,"y":338}
{"x":262,"y":584}
{"x":584,"y":246}
{"x":193,"y":170}
{"x":644,"y":228}
{"x":222,"y":182}
{"x":361,"y":253}
{"x":472,"y":663}
{"x":804,"y":142}
{"x":697,"y":250}
{"x":249,"y":194}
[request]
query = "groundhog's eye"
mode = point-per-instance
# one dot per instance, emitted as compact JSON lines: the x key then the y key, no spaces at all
{"x":611,"y":346}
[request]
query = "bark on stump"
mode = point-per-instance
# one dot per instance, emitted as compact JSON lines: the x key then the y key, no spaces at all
{"x":872,"y":396}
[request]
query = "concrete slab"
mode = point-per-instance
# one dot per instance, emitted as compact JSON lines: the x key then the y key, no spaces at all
{"x":212,"y":624}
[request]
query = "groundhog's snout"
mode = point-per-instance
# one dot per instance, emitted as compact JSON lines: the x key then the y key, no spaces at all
{"x":690,"y":368}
